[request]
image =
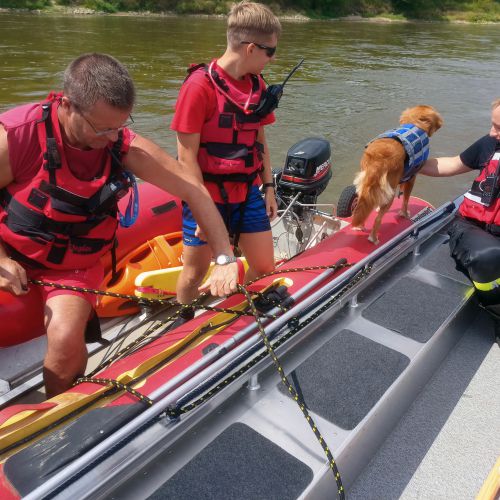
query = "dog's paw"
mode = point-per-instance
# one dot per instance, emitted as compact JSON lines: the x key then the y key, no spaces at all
{"x":373,"y":239}
{"x":404,"y":213}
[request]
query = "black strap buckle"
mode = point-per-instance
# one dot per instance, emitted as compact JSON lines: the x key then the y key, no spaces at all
{"x":52,"y":155}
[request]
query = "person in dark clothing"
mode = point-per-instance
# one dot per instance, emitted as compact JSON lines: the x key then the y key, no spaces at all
{"x":475,"y":234}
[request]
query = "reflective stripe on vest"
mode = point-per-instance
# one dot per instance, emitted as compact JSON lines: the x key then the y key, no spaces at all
{"x":487,"y":287}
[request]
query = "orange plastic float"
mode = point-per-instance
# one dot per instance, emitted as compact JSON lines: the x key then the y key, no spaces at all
{"x":159,"y":213}
{"x":159,"y":253}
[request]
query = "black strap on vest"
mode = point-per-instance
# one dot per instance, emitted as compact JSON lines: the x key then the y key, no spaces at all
{"x":52,"y":159}
{"x":248,"y":179}
{"x":233,"y":151}
{"x":21,"y":215}
{"x":19,"y":257}
{"x":114,"y":261}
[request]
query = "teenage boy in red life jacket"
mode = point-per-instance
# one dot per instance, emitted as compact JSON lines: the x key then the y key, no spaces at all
{"x":475,"y":235}
{"x":58,"y":161}
{"x":221,"y":140}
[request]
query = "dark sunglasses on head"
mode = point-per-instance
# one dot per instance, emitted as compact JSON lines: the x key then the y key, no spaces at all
{"x":270,"y":51}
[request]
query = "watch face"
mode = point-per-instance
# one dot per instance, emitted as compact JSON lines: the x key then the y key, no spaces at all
{"x":221,"y":260}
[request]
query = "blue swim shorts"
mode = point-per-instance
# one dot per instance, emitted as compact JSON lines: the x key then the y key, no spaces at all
{"x":255,"y":219}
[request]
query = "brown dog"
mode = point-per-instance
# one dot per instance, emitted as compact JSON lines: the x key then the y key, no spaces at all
{"x":392,"y":159}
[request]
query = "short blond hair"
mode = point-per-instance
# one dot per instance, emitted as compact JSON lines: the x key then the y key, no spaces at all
{"x":495,"y":103}
{"x":251,"y":21}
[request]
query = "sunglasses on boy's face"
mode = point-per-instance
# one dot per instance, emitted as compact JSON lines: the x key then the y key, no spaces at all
{"x":270,"y":51}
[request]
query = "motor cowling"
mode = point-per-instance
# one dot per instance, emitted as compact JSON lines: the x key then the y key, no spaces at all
{"x":307,"y":170}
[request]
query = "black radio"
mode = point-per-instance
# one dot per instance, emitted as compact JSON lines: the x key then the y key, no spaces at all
{"x":107,"y":197}
{"x":272,"y":95}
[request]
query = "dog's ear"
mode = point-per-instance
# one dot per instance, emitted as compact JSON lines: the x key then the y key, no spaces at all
{"x":432,"y":120}
{"x":436,"y":122}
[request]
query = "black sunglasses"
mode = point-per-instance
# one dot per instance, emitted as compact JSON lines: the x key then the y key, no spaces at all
{"x":270,"y":51}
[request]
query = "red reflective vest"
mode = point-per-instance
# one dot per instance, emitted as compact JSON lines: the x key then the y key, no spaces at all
{"x":56,"y":220}
{"x":229,"y":151}
{"x":472,"y":207}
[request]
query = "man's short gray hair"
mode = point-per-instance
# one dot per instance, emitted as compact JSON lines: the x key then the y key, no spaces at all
{"x":495,"y":103}
{"x":95,"y":76}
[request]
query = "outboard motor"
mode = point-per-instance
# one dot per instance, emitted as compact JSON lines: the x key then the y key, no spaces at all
{"x":304,"y":177}
{"x":307,"y":171}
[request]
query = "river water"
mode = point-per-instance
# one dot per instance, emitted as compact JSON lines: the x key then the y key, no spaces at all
{"x":356,"y":80}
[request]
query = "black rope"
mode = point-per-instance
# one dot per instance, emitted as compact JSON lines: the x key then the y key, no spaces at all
{"x":295,"y":396}
{"x":118,"y":385}
{"x":294,"y":325}
{"x":146,"y":337}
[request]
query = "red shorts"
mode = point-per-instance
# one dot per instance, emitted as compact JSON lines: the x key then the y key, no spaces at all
{"x":82,"y":278}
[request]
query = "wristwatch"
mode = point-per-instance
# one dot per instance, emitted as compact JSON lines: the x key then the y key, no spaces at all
{"x":222,"y":259}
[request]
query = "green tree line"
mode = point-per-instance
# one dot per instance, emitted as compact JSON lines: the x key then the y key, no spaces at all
{"x":472,"y":10}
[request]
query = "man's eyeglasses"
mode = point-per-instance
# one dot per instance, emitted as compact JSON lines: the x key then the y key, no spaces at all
{"x":270,"y":51}
{"x":106,"y":131}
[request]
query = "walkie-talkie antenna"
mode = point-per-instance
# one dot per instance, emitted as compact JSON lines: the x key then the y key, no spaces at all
{"x":292,"y":72}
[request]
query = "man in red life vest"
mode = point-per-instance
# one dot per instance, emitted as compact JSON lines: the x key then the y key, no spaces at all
{"x":475,"y":235}
{"x":62,"y":163}
{"x":219,"y":120}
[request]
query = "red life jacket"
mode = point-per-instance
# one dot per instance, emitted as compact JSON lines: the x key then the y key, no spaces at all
{"x":229,"y":151}
{"x":474,"y":205}
{"x":56,"y":220}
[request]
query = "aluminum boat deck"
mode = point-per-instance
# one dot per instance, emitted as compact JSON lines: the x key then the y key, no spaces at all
{"x":386,"y":372}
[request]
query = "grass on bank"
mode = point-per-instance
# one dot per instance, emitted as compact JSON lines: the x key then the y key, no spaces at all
{"x":439,"y":10}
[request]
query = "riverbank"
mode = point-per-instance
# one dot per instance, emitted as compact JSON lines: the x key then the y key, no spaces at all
{"x":487,"y":11}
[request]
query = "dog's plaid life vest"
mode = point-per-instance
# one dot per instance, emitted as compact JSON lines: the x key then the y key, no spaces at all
{"x":416,"y":144}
